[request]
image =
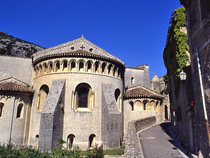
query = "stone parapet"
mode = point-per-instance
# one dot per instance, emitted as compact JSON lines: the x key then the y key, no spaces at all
{"x":132,"y":144}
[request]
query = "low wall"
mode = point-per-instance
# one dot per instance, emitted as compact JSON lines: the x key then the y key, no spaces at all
{"x":132,"y":144}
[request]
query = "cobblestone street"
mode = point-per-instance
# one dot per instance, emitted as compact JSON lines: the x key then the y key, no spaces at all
{"x":156,"y":143}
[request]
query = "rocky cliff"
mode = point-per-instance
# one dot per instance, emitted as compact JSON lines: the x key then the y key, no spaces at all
{"x":10,"y":45}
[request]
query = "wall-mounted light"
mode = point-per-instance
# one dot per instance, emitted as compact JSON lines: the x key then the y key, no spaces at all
{"x":182,"y":76}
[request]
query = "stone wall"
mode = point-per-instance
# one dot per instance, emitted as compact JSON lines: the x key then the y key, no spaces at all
{"x":139,"y":75}
{"x":52,"y":116}
{"x":111,"y":120}
{"x":198,"y":25}
{"x":15,"y":129}
{"x":83,"y":122}
{"x":132,"y":144}
{"x":17,"y":67}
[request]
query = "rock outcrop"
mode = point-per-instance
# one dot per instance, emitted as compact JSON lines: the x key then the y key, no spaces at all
{"x":10,"y":45}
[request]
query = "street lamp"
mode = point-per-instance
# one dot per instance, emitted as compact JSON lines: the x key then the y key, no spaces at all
{"x":182,"y":76}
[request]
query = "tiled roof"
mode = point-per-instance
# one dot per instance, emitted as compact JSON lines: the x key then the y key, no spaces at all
{"x":76,"y":53}
{"x":140,"y":91}
{"x":10,"y":86}
{"x":77,"y":44}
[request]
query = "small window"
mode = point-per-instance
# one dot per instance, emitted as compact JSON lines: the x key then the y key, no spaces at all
{"x":70,"y":141}
{"x":37,"y":141}
{"x":109,"y":69}
{"x":145,"y":104}
{"x":92,"y":140}
{"x":1,"y":109}
{"x":117,"y":98}
{"x":65,"y":66}
{"x":20,"y":111}
{"x":81,"y":66}
{"x":89,"y":66}
{"x":73,"y":67}
{"x":50,"y":67}
{"x":42,"y":96}
{"x":103,"y":68}
{"x":45,"y":68}
{"x":97,"y":67}
{"x":132,"y":106}
{"x":57,"y":66}
{"x":84,"y":97}
{"x":132,"y":80}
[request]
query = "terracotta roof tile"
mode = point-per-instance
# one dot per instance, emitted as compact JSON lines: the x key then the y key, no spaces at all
{"x":140,"y":91}
{"x":10,"y":86}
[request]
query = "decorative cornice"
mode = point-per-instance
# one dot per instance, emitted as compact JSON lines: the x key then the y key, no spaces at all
{"x":78,"y":53}
{"x":66,"y":47}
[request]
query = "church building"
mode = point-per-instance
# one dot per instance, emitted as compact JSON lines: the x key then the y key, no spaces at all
{"x":75,"y":91}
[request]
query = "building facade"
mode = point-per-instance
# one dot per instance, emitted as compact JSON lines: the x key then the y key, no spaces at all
{"x":75,"y":92}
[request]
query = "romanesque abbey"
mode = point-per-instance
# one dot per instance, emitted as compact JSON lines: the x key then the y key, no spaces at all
{"x":75,"y":91}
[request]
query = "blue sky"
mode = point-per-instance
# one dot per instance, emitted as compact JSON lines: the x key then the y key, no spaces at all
{"x":133,"y":30}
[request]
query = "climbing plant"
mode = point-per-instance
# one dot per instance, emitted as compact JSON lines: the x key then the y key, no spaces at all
{"x":175,"y":53}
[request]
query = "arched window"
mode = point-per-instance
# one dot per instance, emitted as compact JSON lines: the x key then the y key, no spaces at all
{"x":82,"y":92}
{"x":40,"y":70}
{"x":114,"y":70}
{"x":1,"y":109}
{"x":97,"y":67}
{"x":81,"y":67}
{"x":89,"y":66}
{"x":50,"y":67}
{"x":132,"y":106}
{"x":57,"y":66}
{"x":37,"y":141}
{"x":132,"y":80}
{"x":20,"y":111}
{"x":145,"y":104}
{"x":73,"y":66}
{"x":117,"y":98}
{"x":119,"y":73}
{"x":45,"y":67}
{"x":42,"y":96}
{"x":65,"y":65}
{"x":103,"y":68}
{"x":109,"y":69}
{"x":92,"y":140}
{"x":83,"y":97}
{"x":70,"y":141}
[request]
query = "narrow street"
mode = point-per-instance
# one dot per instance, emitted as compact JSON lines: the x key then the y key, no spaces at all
{"x":156,"y":143}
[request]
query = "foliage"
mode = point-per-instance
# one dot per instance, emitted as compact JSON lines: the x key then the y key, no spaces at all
{"x":119,"y":151}
{"x":11,"y":151}
{"x":175,"y":52}
{"x":96,"y":152}
{"x":166,"y":89}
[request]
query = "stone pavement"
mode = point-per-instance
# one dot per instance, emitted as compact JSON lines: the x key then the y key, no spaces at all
{"x":156,"y":143}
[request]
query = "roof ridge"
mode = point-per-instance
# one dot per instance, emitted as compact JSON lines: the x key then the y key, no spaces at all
{"x":15,"y":79}
{"x":67,"y":47}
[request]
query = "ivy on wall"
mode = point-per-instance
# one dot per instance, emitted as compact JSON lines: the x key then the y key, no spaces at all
{"x":175,"y":52}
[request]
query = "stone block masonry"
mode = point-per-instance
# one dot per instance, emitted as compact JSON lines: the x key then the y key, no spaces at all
{"x":51,"y":124}
{"x":133,"y":147}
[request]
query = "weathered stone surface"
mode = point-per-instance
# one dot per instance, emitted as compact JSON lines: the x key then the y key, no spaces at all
{"x":52,"y":116}
{"x":133,"y":147}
